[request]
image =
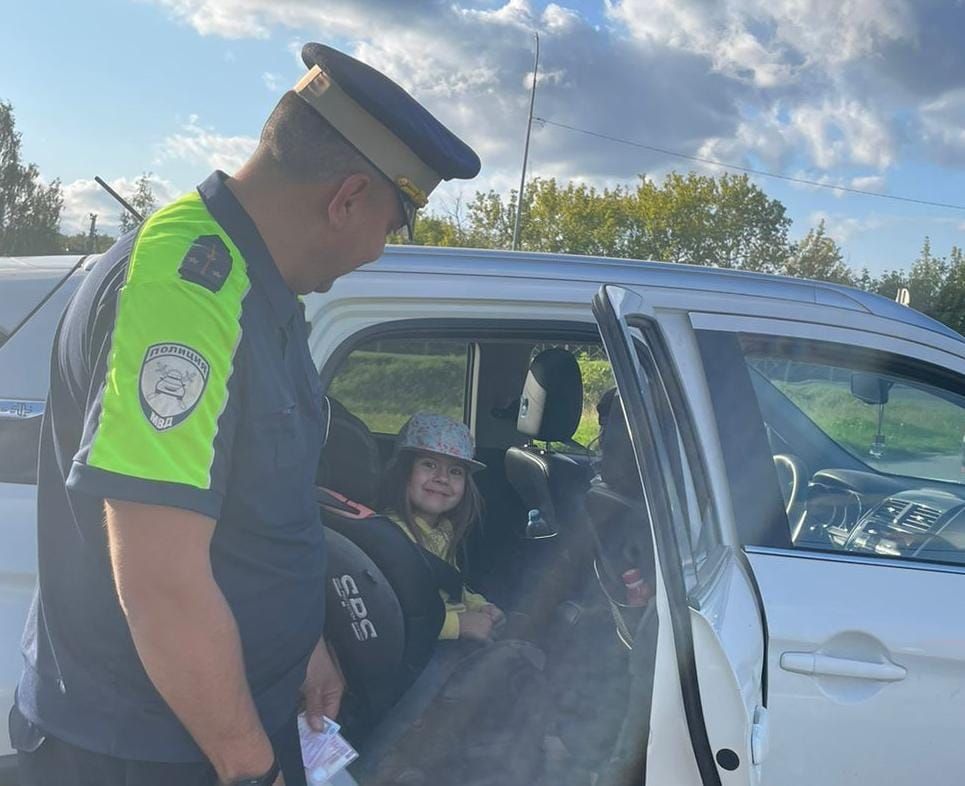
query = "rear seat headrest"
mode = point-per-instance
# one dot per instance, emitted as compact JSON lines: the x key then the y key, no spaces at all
{"x":551,"y":405}
{"x":618,"y":465}
{"x":350,"y":463}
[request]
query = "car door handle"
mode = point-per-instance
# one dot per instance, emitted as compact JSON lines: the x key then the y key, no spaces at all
{"x":826,"y":665}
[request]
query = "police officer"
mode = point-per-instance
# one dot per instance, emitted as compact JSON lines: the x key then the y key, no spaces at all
{"x":178,"y":619}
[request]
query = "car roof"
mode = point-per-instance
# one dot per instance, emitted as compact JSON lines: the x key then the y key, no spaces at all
{"x":630,"y":272}
{"x":26,"y":281}
{"x":571,"y":267}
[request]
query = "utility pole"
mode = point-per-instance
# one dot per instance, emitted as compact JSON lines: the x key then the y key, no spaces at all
{"x":529,"y":128}
{"x":92,"y":234}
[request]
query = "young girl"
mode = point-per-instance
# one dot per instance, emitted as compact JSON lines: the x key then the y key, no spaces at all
{"x":429,"y":492}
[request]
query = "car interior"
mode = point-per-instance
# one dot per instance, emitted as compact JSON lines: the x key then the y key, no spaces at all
{"x":900,"y":497}
{"x":564,"y":522}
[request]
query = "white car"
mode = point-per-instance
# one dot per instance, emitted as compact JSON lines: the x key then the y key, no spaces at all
{"x":790,"y":492}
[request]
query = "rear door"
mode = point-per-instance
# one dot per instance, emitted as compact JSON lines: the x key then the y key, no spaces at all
{"x":708,"y":713}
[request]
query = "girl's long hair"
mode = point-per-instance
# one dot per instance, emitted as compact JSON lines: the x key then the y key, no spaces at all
{"x":394,"y":496}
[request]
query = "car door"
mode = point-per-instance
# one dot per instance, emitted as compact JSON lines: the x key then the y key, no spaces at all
{"x":708,"y":716}
{"x":863,"y":601}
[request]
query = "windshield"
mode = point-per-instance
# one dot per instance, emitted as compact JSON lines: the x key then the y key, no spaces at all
{"x":894,"y":425}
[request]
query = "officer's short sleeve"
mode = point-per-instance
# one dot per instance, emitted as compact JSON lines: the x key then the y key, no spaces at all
{"x":165,"y":395}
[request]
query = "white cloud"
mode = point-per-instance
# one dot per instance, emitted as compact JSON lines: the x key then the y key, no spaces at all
{"x":843,"y":228}
{"x":273,"y":82}
{"x":943,"y":127}
{"x":470,"y":63}
{"x":83,"y":197}
{"x":196,"y":144}
{"x":768,"y":42}
{"x":844,"y":132}
{"x":766,"y":83}
{"x":869,"y":183}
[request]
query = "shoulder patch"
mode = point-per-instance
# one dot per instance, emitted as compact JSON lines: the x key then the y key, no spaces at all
{"x":172,"y":379}
{"x":208,"y":262}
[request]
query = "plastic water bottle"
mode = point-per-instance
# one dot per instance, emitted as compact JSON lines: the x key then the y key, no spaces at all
{"x":537,"y":527}
{"x":638,"y":591}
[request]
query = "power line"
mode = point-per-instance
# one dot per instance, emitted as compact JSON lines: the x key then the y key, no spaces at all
{"x":749,"y":170}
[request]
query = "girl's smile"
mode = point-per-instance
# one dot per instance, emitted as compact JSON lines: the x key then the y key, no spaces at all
{"x":436,"y":485}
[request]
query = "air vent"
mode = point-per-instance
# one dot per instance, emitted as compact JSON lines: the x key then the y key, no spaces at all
{"x":886,"y":515}
{"x":920,"y":517}
{"x":891,"y":510}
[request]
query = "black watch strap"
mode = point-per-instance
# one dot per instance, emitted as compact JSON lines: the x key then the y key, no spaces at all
{"x":261,"y":780}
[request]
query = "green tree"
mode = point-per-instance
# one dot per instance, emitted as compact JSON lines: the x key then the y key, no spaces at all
{"x":818,"y":257}
{"x":29,"y":210}
{"x":443,"y":229}
{"x":80,"y":243}
{"x":143,"y":201}
{"x":722,"y":222}
{"x":926,"y":279}
{"x":491,"y":220}
{"x":574,"y":219}
{"x":890,"y":282}
{"x":950,"y":301}
{"x":865,"y":280}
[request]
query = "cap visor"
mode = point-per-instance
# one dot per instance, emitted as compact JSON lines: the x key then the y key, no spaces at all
{"x":474,"y":466}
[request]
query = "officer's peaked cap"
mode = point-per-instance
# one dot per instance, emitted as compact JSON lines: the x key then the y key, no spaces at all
{"x":384,"y":123}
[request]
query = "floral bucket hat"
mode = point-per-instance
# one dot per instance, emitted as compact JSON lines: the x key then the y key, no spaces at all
{"x":438,"y":434}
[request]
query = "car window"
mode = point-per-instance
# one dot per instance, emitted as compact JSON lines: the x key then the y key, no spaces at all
{"x":697,"y":531}
{"x":894,"y":425}
{"x":384,"y":382}
{"x":866,"y":447}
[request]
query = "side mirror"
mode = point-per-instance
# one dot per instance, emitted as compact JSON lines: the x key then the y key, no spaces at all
{"x":870,"y":388}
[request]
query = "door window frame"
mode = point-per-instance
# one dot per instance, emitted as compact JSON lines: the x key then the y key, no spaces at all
{"x":654,"y":467}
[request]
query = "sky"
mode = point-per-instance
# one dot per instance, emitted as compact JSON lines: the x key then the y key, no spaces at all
{"x":865,"y":94}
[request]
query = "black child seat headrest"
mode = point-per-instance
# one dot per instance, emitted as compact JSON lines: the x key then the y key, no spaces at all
{"x":350,"y":460}
{"x":383,"y":611}
{"x":551,"y":405}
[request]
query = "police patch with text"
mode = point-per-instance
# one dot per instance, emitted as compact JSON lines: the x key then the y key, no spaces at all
{"x":208,"y":262}
{"x":172,"y":379}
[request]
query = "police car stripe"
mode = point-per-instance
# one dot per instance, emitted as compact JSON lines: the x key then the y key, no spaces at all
{"x":172,"y":355}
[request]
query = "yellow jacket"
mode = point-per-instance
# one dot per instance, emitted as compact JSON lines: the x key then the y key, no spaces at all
{"x":436,"y":539}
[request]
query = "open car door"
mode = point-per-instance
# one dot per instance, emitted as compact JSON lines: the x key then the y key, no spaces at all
{"x":708,"y":718}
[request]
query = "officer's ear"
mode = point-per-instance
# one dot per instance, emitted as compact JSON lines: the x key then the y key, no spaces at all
{"x":346,"y":204}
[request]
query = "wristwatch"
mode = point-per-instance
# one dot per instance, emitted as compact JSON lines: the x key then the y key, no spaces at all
{"x":261,"y":780}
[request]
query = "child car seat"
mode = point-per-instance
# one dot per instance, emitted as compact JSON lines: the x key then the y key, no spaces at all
{"x":383,"y":607}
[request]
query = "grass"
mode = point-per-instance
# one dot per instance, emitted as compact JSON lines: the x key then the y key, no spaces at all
{"x":384,"y":388}
{"x":915,"y":423}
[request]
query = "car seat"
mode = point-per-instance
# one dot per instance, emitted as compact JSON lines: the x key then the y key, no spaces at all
{"x":550,"y":408}
{"x":383,"y":611}
{"x":554,"y":483}
{"x":350,"y":461}
{"x":383,"y":608}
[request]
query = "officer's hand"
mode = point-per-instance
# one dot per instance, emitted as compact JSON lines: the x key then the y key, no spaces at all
{"x":476,"y":625}
{"x":323,"y":687}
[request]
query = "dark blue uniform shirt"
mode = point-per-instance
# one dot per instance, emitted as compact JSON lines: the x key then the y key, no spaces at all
{"x":180,"y":376}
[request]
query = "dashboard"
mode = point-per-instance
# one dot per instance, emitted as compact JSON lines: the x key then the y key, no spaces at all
{"x":862,"y":512}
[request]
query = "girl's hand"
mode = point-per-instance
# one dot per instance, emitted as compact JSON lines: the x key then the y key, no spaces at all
{"x":495,"y":613}
{"x":476,"y":625}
